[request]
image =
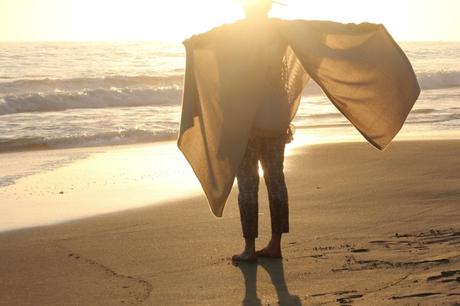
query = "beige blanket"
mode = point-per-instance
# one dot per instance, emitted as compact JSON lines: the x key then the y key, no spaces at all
{"x":360,"y":68}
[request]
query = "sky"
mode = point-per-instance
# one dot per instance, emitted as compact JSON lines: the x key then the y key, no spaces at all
{"x":175,"y":20}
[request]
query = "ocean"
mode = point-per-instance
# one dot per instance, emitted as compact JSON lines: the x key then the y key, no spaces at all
{"x":75,"y":94}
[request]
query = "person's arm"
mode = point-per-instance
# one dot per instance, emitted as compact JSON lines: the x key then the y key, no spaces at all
{"x":200,"y":40}
{"x":195,"y":40}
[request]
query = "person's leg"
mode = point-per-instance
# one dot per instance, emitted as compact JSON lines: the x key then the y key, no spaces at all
{"x":272,"y":160}
{"x":248,"y":186}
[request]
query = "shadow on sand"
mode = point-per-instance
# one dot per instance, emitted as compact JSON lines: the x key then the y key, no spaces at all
{"x":275,"y":270}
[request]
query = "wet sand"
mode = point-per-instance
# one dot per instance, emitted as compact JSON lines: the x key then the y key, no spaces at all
{"x":367,"y":228}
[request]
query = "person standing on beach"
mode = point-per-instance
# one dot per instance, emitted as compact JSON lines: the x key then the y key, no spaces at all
{"x":269,"y":136}
{"x":243,"y":85}
{"x":270,"y":133}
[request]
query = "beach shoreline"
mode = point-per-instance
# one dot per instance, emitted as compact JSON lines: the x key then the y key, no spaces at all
{"x":366,"y":227}
{"x":63,"y":183}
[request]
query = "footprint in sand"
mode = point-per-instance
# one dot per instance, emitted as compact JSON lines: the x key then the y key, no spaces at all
{"x":446,"y":276}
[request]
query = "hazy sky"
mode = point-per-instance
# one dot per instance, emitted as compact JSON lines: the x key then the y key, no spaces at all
{"x":26,"y":20}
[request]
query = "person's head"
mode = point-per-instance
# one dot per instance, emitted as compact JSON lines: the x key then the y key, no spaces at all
{"x":256,"y":9}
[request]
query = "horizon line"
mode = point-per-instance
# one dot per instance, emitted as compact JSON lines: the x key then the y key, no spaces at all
{"x":177,"y":41}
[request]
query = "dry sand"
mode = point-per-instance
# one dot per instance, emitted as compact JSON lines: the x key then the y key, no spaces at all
{"x":367,"y":228}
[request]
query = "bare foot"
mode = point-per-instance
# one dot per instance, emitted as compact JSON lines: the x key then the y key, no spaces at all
{"x":269,"y":252}
{"x":245,"y":257}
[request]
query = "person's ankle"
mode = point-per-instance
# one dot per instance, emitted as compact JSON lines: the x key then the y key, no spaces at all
{"x":275,"y":242}
{"x":250,"y":245}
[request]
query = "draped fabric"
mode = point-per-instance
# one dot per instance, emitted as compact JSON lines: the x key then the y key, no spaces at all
{"x":360,"y":68}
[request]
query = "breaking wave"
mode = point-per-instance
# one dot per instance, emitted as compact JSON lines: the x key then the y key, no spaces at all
{"x":26,"y":86}
{"x":97,"y":98}
{"x":43,"y":95}
{"x":130,"y":136}
{"x":439,"y":79}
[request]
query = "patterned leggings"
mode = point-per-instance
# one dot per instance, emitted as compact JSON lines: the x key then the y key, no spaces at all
{"x":270,"y":152}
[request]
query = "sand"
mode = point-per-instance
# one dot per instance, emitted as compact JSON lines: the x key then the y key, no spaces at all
{"x":367,"y":228}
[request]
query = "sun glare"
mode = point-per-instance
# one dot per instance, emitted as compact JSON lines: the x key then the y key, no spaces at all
{"x":177,"y":19}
